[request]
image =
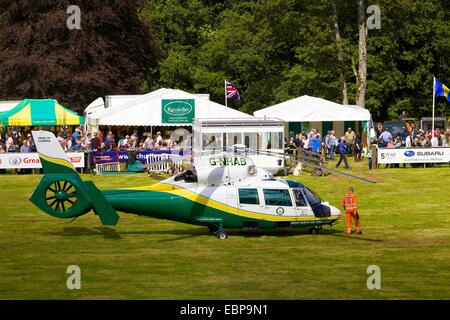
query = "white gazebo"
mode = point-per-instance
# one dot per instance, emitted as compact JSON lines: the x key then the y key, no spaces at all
{"x":305,"y":112}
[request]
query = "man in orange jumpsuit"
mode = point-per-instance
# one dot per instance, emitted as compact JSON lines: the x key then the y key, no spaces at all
{"x":351,"y":211}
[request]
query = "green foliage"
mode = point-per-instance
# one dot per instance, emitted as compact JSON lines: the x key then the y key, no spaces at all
{"x":41,"y":58}
{"x":277,"y":50}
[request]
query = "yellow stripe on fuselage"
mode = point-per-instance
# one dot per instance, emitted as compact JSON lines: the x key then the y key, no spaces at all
{"x":195,"y":197}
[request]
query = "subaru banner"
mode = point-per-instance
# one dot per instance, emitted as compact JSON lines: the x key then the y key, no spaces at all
{"x":414,"y":155}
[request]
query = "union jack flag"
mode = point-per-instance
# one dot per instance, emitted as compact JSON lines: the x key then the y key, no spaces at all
{"x":232,"y":92}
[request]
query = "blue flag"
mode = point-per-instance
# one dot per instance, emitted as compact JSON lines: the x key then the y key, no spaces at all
{"x":442,"y":90}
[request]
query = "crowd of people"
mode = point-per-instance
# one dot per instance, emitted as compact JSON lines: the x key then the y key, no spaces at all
{"x":330,"y":145}
{"x":17,"y":142}
{"x":79,"y":141}
{"x":412,"y":137}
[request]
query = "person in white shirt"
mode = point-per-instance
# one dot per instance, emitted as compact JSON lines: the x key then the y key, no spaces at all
{"x":158,"y":138}
{"x":434,"y":141}
{"x":408,"y":141}
{"x":69,"y":144}
{"x":148,"y":143}
{"x":9,"y":143}
{"x":305,"y":143}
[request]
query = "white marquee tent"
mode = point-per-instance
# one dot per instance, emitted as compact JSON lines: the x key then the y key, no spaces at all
{"x":305,"y":112}
{"x":153,"y":109}
{"x":311,"y":109}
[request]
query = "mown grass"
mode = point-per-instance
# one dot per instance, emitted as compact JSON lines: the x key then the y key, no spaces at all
{"x":405,"y":218}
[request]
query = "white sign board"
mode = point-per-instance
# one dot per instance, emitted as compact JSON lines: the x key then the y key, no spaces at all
{"x":414,"y":155}
{"x":31,"y":160}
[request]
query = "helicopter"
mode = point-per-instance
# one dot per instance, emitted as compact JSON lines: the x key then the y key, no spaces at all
{"x":223,"y":191}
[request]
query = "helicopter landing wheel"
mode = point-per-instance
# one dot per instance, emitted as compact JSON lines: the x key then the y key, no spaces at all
{"x":313,"y":231}
{"x":222,"y":235}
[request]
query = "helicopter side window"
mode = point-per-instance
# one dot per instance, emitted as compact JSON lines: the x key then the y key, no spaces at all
{"x":248,"y":196}
{"x":299,"y":199}
{"x":277,"y":197}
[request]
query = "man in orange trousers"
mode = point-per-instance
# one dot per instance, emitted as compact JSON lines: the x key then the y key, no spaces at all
{"x":351,"y":211}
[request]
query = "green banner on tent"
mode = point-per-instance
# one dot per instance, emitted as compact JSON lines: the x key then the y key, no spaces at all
{"x":179,"y":111}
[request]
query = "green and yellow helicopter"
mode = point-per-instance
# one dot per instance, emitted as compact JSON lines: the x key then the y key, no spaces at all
{"x":223,"y":191}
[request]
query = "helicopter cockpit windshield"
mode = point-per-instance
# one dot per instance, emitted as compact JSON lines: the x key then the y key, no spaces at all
{"x":312,"y":197}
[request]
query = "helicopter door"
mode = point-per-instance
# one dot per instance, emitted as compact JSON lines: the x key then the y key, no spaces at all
{"x":301,"y":205}
{"x":278,"y":202}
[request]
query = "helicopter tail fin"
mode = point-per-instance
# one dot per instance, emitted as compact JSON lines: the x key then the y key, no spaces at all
{"x":53,"y":158}
{"x":61,"y":193}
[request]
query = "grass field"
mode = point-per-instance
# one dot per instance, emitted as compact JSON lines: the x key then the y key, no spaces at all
{"x":405,"y":217}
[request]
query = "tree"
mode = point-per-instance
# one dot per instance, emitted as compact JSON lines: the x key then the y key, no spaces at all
{"x":41,"y":58}
{"x":277,"y":50}
{"x":361,"y":80}
{"x":340,"y":54}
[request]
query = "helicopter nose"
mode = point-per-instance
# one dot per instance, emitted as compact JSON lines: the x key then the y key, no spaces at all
{"x":335,"y":212}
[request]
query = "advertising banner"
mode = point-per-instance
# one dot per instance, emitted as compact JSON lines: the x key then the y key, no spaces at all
{"x":31,"y":160}
{"x":414,"y":155}
{"x":141,"y":155}
{"x":179,"y":111}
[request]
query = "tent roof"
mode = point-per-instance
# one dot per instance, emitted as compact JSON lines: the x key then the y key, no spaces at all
{"x":146,"y":110}
{"x":5,"y":106}
{"x":306,"y":108}
{"x":40,"y":112}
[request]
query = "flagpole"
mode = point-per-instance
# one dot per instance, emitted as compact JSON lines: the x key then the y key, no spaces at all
{"x":226,"y":100}
{"x":434,"y":98}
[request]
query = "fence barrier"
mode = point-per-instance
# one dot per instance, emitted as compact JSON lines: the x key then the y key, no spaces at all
{"x":163,"y":162}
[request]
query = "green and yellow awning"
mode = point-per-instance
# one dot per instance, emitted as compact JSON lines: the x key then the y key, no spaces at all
{"x":39,"y":112}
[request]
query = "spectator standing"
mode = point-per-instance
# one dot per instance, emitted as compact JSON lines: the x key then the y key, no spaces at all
{"x":25,"y":146}
{"x":327,"y":142}
{"x":148,"y":143}
{"x":69,"y":144}
{"x":305,"y":142}
{"x":135,"y":136}
{"x":31,"y":144}
{"x":87,"y":141}
{"x":358,"y":147}
{"x":109,"y":141}
{"x":434,"y":141}
{"x":316,"y":144}
{"x":342,"y":154}
{"x":158,"y":138}
{"x":76,"y":135}
{"x":385,"y":137}
{"x":95,"y":142}
{"x":333,"y":143}
{"x":350,"y":138}
{"x":398,"y":140}
{"x":77,"y":146}
{"x":408,"y":141}
{"x":9,"y":143}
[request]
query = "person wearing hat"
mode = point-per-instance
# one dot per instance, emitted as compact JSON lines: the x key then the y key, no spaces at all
{"x":76,"y":135}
